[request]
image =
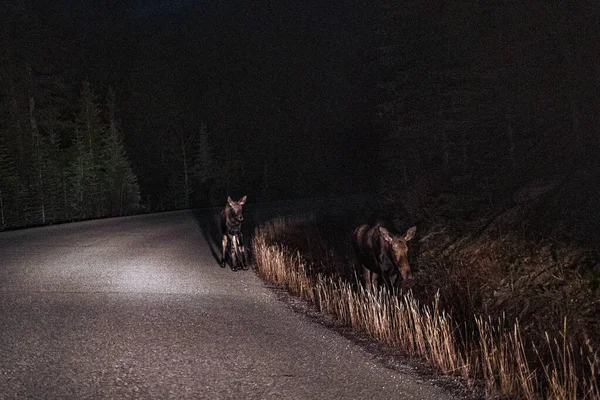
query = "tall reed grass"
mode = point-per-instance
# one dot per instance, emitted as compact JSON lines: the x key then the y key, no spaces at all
{"x":494,"y":353}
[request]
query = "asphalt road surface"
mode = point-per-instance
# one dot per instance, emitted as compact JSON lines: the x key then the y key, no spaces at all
{"x":138,"y":307}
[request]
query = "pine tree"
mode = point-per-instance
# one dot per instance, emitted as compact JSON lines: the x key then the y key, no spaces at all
{"x":55,"y":128}
{"x":120,"y":183}
{"x":9,"y":187}
{"x":93,"y":132}
{"x":79,"y":177}
{"x":44,"y":185}
{"x":203,"y":168}
{"x":194,"y":166}
{"x":86,"y":197}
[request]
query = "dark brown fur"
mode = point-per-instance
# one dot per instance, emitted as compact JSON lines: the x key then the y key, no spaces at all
{"x":231,"y":224}
{"x":382,"y":254}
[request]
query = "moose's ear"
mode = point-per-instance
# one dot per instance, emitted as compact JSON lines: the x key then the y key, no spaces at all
{"x":230,"y":201}
{"x":385,"y":234}
{"x":410,"y":233}
{"x":242,"y":200}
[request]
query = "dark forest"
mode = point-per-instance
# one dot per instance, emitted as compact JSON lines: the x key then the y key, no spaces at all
{"x":111,"y":108}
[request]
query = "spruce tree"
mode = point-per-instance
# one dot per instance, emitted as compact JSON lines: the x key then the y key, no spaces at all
{"x":44,"y":185}
{"x":9,"y":187}
{"x":86,"y":197}
{"x":79,"y":177}
{"x":203,"y":168}
{"x":120,"y":183}
{"x":193,"y":160}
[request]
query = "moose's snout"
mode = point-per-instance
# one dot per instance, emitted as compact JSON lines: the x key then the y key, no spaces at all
{"x":405,"y":271}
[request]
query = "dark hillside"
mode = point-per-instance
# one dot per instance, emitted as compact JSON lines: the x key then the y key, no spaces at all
{"x":524,"y":262}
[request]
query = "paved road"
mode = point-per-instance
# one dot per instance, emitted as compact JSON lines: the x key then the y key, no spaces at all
{"x":137,"y":307}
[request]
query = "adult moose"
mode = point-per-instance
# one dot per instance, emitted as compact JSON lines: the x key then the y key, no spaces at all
{"x":231,"y":229}
{"x":382,"y":253}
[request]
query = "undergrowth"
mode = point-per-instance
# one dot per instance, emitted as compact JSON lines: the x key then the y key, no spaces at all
{"x":489,"y":310}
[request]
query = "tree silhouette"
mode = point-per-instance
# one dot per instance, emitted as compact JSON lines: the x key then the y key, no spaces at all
{"x":119,"y":182}
{"x":192,"y":165}
{"x":9,"y":187}
{"x":503,"y":96}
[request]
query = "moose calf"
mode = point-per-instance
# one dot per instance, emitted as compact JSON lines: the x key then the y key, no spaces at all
{"x":231,"y":229}
{"x":382,"y":254}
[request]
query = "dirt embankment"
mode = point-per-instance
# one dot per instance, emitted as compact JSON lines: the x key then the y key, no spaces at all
{"x":531,"y":254}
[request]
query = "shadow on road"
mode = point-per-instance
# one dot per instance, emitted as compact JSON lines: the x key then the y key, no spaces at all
{"x":208,"y":222}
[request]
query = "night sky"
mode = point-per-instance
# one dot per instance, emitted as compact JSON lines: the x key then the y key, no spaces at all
{"x":302,"y":98}
{"x":282,"y":84}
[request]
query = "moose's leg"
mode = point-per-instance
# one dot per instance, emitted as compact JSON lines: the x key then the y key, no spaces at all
{"x":244,"y":260}
{"x":370,"y":279}
{"x":224,"y":243}
{"x":395,"y":280}
{"x":389,"y":282}
{"x":374,"y":281}
{"x":367,"y":278}
{"x":234,"y":252}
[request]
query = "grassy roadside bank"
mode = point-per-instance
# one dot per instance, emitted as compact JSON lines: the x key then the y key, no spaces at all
{"x":438,"y":317}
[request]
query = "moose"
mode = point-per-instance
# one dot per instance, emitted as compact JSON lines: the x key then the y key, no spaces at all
{"x":231,"y":229}
{"x":382,"y":253}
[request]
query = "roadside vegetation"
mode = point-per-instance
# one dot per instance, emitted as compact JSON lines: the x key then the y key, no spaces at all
{"x":491,"y":302}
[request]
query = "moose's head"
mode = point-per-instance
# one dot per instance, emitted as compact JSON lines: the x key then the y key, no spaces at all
{"x":236,"y":207}
{"x":397,"y":249}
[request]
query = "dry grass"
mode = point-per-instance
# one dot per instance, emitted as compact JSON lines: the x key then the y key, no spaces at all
{"x":494,"y":351}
